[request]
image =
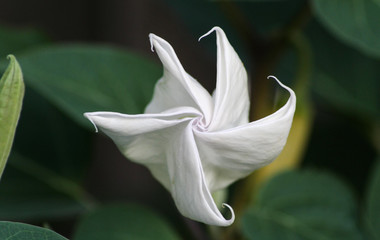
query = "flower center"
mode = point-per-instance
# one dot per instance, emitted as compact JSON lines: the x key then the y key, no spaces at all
{"x":199,"y":123}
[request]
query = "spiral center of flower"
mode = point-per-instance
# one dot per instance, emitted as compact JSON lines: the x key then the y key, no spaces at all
{"x":199,"y":123}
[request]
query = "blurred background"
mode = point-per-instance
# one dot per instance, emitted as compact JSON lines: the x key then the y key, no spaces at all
{"x":334,"y":72}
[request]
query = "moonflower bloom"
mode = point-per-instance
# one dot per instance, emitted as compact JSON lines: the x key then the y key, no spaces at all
{"x":194,"y":143}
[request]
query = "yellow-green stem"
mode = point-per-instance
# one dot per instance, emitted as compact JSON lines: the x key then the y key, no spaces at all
{"x":261,"y":99}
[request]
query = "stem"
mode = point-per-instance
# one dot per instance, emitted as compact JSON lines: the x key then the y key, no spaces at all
{"x":52,"y":179}
{"x":292,"y":154}
{"x":266,"y":56}
{"x":304,"y":53}
{"x":264,"y":63}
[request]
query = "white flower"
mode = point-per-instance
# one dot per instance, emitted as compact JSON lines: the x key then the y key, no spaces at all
{"x":195,"y":143}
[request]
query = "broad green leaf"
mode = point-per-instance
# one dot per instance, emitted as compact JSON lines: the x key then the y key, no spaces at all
{"x":80,"y":78}
{"x":372,"y":217}
{"x":56,"y":142}
{"x":53,"y":141}
{"x":21,"y":231}
{"x":49,"y":195}
{"x":344,"y":77}
{"x":11,"y":95}
{"x":27,"y":198}
{"x":119,"y":222}
{"x":302,"y":205}
{"x":14,"y":40}
{"x":355,"y":22}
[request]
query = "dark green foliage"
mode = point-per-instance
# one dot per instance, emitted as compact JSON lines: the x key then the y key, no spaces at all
{"x":302,"y":205}
{"x":21,"y":231}
{"x":124,"y":221}
{"x":82,"y":78}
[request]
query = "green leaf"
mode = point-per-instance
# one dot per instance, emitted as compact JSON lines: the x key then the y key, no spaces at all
{"x":21,"y":231}
{"x":344,"y":77}
{"x":119,"y":222}
{"x":57,"y":144}
{"x":302,"y":205}
{"x":66,"y":145}
{"x":43,"y":201}
{"x":16,"y":40}
{"x":355,"y":22}
{"x":80,"y":78}
{"x":372,"y":216}
{"x":11,"y":95}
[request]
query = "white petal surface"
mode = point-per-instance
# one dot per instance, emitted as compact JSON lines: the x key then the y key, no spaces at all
{"x":231,"y":100}
{"x":143,"y":138}
{"x":189,"y":188}
{"x":176,"y":88}
{"x":230,"y":154}
{"x":193,"y":143}
{"x":165,"y":144}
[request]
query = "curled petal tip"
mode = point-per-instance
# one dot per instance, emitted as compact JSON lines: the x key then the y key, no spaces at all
{"x":88,"y":116}
{"x":271,"y":76}
{"x":186,"y":180}
{"x":280,"y":83}
{"x":232,"y":219}
{"x":151,"y":36}
{"x":216,"y":28}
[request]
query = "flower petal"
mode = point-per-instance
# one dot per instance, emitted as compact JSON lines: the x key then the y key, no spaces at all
{"x":165,"y":144}
{"x":176,"y":87}
{"x":231,"y":100}
{"x":188,"y":185}
{"x":142,"y":138}
{"x":231,"y":154}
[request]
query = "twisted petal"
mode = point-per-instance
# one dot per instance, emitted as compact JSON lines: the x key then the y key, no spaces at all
{"x":165,"y":144}
{"x":176,"y":88}
{"x":230,"y":154}
{"x":141,"y":137}
{"x":189,"y":188}
{"x":231,"y":100}
{"x":194,"y":143}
